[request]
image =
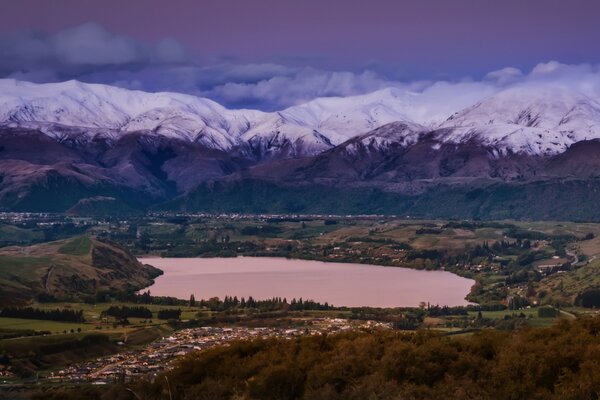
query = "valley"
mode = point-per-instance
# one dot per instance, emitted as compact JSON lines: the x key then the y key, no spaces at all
{"x":526,"y":274}
{"x":278,"y":200}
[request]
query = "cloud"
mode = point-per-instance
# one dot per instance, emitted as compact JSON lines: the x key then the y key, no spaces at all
{"x":91,"y":53}
{"x":79,"y":50}
{"x":297,"y":87}
{"x":584,"y":78}
{"x":504,"y":76}
{"x":169,"y":50}
{"x":91,"y":44}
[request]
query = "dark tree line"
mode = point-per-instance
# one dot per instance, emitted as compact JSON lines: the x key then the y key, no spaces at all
{"x":169,"y":314}
{"x":273,"y":304}
{"x":437,"y":311}
{"x":48,"y":315}
{"x":231,"y":302}
{"x":125,"y":312}
{"x":589,"y":298}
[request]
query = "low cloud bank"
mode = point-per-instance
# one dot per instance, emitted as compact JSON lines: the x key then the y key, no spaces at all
{"x":90,"y":53}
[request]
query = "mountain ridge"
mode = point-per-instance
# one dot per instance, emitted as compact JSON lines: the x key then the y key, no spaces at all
{"x":142,"y":150}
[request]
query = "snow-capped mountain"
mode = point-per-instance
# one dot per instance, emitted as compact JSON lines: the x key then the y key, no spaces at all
{"x":327,"y":122}
{"x":66,"y":142}
{"x":109,"y":112}
{"x":530,"y":119}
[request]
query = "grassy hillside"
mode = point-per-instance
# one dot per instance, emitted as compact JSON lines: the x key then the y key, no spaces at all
{"x":566,"y":288}
{"x":69,"y":270}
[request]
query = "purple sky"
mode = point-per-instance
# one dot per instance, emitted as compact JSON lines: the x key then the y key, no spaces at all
{"x":401,"y":40}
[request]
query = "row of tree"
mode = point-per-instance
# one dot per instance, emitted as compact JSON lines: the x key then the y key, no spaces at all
{"x":61,"y":315}
{"x":169,"y":314}
{"x":122,"y":313}
{"x":125,"y":312}
{"x":273,"y":304}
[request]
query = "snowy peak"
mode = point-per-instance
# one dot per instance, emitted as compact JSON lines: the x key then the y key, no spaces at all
{"x":385,"y":138}
{"x":543,"y":107}
{"x":531,"y":119}
{"x":310,"y":128}
{"x":340,"y":118}
{"x":77,"y":104}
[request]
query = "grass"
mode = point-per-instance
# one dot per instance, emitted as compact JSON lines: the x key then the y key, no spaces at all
{"x":564,"y":287}
{"x":19,"y":324}
{"x":24,"y":268}
{"x":20,"y":327}
{"x":17,"y":263}
{"x":12,"y":234}
{"x":79,"y":246}
{"x":92,"y":312}
{"x":531,"y":314}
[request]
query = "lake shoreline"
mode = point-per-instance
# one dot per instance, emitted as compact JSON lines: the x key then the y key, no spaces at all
{"x":363,"y":284}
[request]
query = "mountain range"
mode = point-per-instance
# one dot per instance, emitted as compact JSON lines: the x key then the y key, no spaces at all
{"x":527,"y":151}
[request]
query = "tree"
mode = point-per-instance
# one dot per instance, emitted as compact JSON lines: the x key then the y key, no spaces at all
{"x":547,"y":312}
{"x":169,"y":314}
{"x":192,"y":300}
{"x":530,"y":289}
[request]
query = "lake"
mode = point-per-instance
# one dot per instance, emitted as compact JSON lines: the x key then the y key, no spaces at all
{"x":340,"y":284}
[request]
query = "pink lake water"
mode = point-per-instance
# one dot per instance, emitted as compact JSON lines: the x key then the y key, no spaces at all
{"x":340,"y":284}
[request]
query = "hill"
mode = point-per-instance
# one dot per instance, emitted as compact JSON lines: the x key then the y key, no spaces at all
{"x":70,"y":269}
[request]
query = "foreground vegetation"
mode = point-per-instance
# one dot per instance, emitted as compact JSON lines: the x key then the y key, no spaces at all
{"x":560,"y":362}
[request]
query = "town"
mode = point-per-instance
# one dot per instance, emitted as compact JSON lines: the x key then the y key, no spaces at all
{"x":162,"y":354}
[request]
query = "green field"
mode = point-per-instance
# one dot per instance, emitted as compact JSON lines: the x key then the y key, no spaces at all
{"x":92,"y":312}
{"x":531,"y":315}
{"x":15,"y":234}
{"x":18,"y":324}
{"x":79,"y":246}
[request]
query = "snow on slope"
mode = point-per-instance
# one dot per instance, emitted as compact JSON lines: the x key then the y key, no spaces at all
{"x":531,"y":119}
{"x":534,"y":119}
{"x":385,"y":137}
{"x":311,"y":127}
{"x":326,"y":122}
{"x":76,"y":104}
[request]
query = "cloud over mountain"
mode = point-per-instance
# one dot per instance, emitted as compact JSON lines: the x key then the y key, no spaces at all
{"x":79,"y":50}
{"x":91,"y":53}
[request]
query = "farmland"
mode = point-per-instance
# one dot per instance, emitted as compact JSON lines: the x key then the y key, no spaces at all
{"x":519,"y":267}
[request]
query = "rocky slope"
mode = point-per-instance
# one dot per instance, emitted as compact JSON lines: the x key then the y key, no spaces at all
{"x":77,"y":147}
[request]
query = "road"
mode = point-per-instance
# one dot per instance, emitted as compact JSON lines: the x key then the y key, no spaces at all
{"x":47,"y":280}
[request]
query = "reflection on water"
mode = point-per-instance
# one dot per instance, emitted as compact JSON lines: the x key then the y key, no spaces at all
{"x":339,"y":284}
